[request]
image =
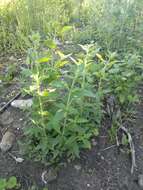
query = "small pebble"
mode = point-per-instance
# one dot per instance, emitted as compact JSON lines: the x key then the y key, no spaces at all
{"x":102,"y":157}
{"x":94,"y":143}
{"x":90,"y":171}
{"x":98,"y":153}
{"x":49,"y":175}
{"x":12,"y":58}
{"x":7,"y":141}
{"x":88,"y":185}
{"x":77,"y":167}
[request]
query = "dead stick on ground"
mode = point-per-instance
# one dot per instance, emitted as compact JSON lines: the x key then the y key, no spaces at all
{"x":112,"y":146}
{"x":9,"y":102}
{"x":132,"y":148}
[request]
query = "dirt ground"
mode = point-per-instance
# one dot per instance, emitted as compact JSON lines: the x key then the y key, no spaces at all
{"x":97,"y":169}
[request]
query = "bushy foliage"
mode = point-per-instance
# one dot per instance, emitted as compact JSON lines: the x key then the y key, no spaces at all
{"x":69,"y":93}
{"x":11,"y":183}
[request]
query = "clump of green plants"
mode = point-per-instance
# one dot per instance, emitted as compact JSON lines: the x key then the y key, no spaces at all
{"x":120,"y":80}
{"x":9,"y":73}
{"x":9,"y":184}
{"x":115,"y":25}
{"x":19,"y":18}
{"x":69,"y":92}
{"x":67,"y":108}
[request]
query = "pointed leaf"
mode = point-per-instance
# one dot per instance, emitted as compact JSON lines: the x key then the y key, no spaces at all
{"x":44,"y":60}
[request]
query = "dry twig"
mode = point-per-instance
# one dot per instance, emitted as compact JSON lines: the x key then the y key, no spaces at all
{"x":131,"y":144}
{"x":9,"y":102}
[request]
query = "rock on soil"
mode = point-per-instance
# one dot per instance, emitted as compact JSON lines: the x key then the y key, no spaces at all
{"x":7,"y":141}
{"x":6,"y":118}
{"x":49,"y":176}
{"x":22,"y":104}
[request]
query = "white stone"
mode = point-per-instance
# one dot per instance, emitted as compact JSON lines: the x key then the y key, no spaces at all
{"x":77,"y":167}
{"x":22,"y":104}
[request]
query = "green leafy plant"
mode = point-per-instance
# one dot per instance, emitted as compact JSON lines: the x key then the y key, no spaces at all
{"x":119,"y":79}
{"x":18,"y":20}
{"x":9,"y":74}
{"x":64,"y":112}
{"x":69,"y":93}
{"x":115,"y":25}
{"x":11,"y":183}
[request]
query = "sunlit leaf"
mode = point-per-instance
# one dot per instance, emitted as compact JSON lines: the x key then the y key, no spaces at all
{"x":66,"y":29}
{"x":100,"y":57}
{"x":44,"y":60}
{"x":44,"y":93}
{"x":44,"y":113}
{"x":50,"y":43}
{"x":60,"y":64}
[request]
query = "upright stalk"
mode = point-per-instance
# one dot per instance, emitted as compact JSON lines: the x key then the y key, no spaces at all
{"x":69,"y":100}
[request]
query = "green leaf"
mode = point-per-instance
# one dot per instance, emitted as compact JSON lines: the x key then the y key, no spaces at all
{"x":89,"y":93}
{"x":70,"y":140}
{"x":81,"y":120}
{"x":55,"y":122}
{"x":59,"y":84}
{"x":12,"y":182}
{"x":75,"y":149}
{"x":2,"y":184}
{"x":96,"y":132}
{"x":51,"y":44}
{"x":44,"y":60}
{"x":43,"y":113}
{"x":60,"y":64}
{"x":125,"y":140}
{"x":44,"y":93}
{"x":26,"y":72}
{"x":65,"y":29}
{"x":87,"y":144}
{"x":122,"y":98}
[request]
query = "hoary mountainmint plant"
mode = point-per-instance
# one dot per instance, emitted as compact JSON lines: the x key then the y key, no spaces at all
{"x":68,"y":94}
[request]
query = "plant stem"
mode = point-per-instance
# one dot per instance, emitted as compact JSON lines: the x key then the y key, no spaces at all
{"x":38,"y":92}
{"x":69,"y":99}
